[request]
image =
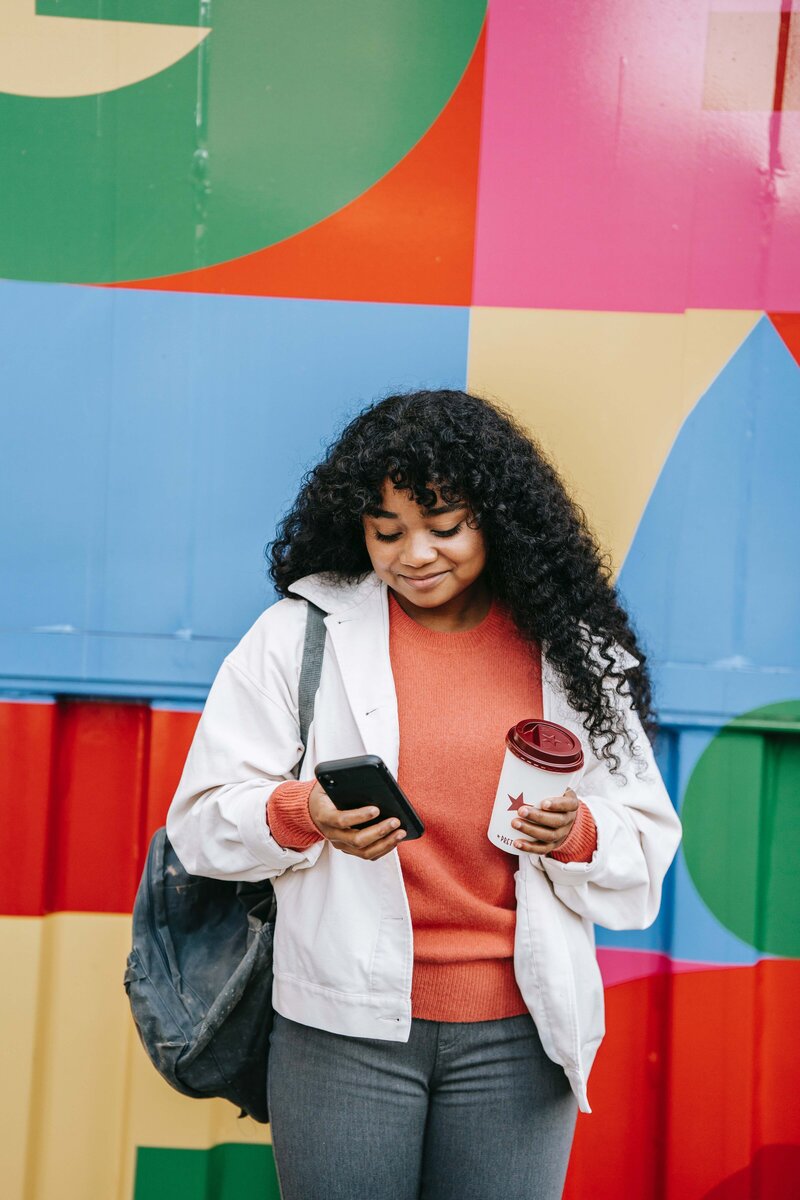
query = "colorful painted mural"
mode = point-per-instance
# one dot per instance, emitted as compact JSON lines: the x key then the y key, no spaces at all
{"x":223,"y":228}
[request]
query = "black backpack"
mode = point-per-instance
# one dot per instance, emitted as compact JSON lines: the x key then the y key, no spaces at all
{"x":199,"y":976}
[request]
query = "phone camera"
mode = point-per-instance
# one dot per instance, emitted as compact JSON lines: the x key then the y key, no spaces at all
{"x":329,"y":780}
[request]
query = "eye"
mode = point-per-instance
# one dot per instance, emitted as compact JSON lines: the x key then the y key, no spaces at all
{"x":440,"y":533}
{"x":448,"y":532}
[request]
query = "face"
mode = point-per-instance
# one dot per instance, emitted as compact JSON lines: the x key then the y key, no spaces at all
{"x":427,"y":556}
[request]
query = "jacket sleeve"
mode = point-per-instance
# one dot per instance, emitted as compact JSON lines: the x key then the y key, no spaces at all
{"x":246,"y":744}
{"x":638,"y":833}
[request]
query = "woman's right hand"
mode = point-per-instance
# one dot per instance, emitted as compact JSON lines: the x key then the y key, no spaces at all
{"x":336,"y":826}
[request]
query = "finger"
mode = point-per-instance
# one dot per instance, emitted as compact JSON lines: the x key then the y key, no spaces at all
{"x":533,"y":847}
{"x":566,"y":803}
{"x":362,"y":839}
{"x":376,"y":849}
{"x":547,"y":840}
{"x":552,"y":820}
{"x":540,"y":847}
{"x":346,"y":818}
{"x":385,"y":845}
{"x":540,"y":833}
{"x":336,"y":830}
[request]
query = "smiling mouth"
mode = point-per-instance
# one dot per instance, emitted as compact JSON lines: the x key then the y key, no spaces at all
{"x":422,"y":578}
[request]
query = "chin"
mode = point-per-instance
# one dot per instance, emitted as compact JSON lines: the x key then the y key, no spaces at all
{"x":443,"y":592}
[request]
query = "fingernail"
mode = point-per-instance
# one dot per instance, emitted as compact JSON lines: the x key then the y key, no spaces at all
{"x":374,"y":812}
{"x":524,"y":812}
{"x":394,"y":824}
{"x":401,"y":835}
{"x":545,"y":804}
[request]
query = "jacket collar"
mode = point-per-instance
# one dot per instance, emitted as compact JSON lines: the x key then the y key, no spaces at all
{"x":337,"y":596}
{"x":358,"y":628}
{"x":358,"y":624}
{"x":340,"y":597}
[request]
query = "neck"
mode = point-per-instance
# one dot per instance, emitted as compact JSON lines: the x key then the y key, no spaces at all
{"x":463,"y":612}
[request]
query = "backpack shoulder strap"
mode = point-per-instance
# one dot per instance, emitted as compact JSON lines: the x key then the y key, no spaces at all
{"x":310,"y":671}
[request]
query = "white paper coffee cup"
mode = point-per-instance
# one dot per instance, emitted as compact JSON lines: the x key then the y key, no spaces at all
{"x":542,"y":760}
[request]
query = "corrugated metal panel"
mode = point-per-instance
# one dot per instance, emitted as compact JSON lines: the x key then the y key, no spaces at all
{"x":80,"y":1100}
{"x":194,"y":432}
{"x":702,"y":1048}
{"x":96,"y":778}
{"x":690,"y":1087}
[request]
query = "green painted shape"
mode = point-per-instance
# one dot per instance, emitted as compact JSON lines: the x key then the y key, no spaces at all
{"x":226,"y":1172}
{"x":285,"y":113}
{"x":741,"y":827}
{"x":148,"y":12}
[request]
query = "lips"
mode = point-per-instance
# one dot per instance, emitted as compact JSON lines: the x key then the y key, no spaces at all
{"x":420,"y":583}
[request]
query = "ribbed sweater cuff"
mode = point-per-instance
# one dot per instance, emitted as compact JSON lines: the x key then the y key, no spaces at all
{"x":288,"y":817}
{"x":582,"y":841}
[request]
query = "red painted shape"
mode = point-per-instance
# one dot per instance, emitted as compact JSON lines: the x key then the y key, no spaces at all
{"x":620,"y":1141}
{"x":26,"y":740}
{"x":783,"y":54}
{"x":97,"y":794}
{"x":171,"y":735}
{"x":84,"y":786}
{"x":407,"y":239}
{"x":691,"y":1086}
{"x":788,"y":326}
{"x":774,"y":1174}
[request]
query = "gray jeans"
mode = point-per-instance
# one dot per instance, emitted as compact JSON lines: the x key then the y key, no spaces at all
{"x":459,"y":1112}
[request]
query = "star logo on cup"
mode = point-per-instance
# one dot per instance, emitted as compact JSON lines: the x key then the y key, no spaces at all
{"x":516,"y":802}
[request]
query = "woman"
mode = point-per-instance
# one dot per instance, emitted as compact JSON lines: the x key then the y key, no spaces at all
{"x":438,"y":1003}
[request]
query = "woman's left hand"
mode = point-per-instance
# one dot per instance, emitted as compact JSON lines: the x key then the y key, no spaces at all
{"x":549,"y":825}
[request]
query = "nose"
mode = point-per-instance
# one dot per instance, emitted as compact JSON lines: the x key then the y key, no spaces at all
{"x":418,"y":550}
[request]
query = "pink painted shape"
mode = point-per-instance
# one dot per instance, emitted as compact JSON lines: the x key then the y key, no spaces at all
{"x":621,"y":966}
{"x":605,"y":185}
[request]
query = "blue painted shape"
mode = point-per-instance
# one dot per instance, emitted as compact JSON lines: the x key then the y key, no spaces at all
{"x":151,"y":440}
{"x":713,"y":574}
{"x":713,"y":582}
{"x":685,"y":927}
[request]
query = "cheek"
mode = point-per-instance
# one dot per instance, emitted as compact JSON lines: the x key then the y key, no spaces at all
{"x":471,"y":554}
{"x":380,"y":553}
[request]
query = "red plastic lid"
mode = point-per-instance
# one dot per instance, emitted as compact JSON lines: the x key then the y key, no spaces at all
{"x":545,"y":745}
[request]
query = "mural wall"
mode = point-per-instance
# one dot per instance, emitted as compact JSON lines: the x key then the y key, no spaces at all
{"x":225,"y":227}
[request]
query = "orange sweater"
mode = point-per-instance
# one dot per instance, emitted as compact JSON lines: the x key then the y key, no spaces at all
{"x":457,"y":695}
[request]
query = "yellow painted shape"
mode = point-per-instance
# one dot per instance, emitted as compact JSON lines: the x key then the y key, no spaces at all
{"x":58,"y":56}
{"x":20,"y":953}
{"x":604,"y":393}
{"x":79,"y":1093}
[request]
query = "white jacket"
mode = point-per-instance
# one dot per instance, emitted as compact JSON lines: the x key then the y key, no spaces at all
{"x":343,"y":954}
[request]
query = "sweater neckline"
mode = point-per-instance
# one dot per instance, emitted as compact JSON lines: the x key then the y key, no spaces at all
{"x":452,"y":640}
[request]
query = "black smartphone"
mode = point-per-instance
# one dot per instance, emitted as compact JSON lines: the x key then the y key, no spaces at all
{"x":357,"y":782}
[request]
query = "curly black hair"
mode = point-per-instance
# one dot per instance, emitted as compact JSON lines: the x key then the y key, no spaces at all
{"x":542,"y":561}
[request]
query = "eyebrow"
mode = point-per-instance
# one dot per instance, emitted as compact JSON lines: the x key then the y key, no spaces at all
{"x":430,"y":512}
